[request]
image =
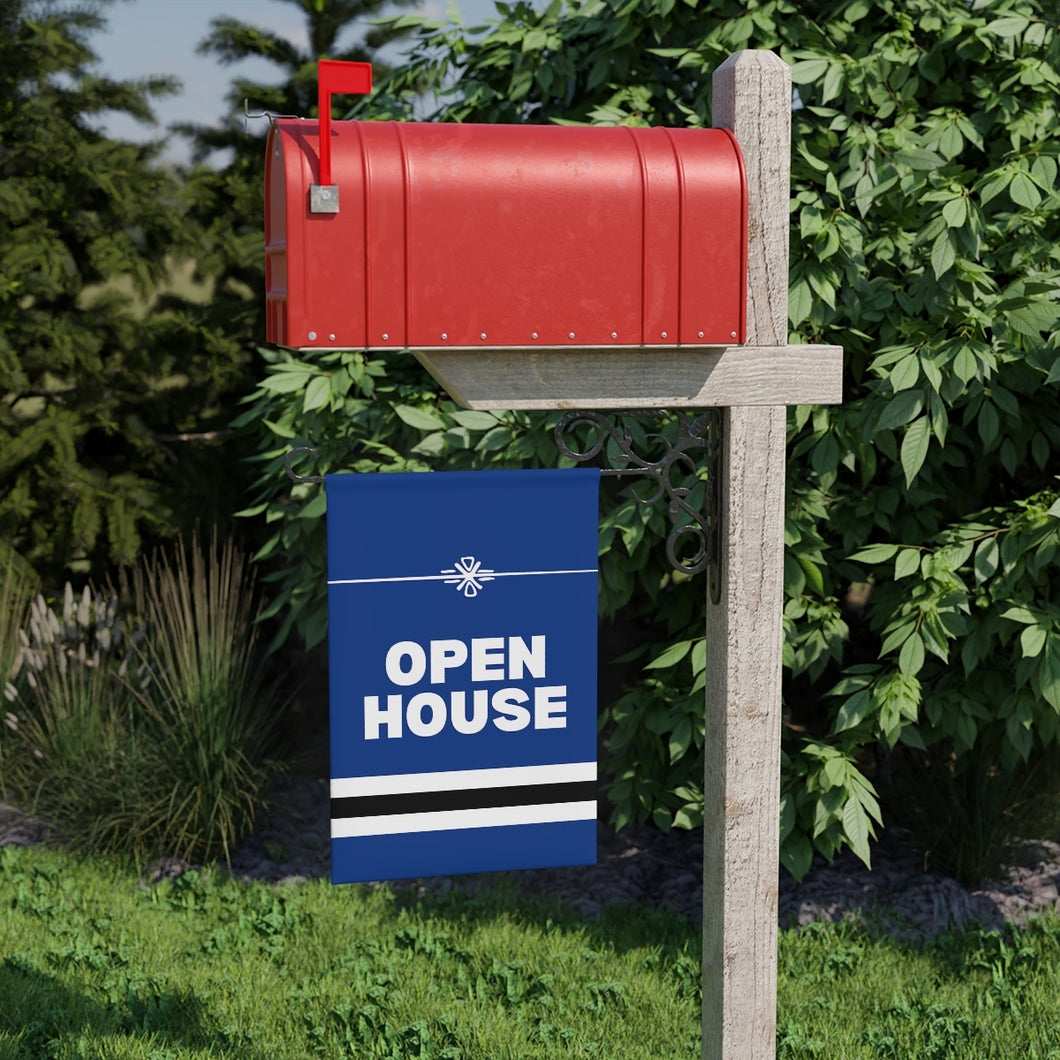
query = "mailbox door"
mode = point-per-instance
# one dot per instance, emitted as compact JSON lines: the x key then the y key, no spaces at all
{"x":498,"y":236}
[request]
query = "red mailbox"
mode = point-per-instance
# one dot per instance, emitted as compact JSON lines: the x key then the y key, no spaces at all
{"x":437,"y":235}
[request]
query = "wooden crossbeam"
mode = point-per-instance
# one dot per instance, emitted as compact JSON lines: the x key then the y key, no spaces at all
{"x":637,"y":377}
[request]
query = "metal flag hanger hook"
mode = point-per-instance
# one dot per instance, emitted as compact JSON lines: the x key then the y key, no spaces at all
{"x":299,"y":479}
{"x":249,"y":115}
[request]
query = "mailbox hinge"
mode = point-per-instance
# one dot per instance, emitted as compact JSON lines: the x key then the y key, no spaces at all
{"x":323,"y":198}
{"x":617,"y":444}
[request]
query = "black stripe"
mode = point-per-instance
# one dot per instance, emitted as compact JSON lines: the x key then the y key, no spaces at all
{"x":464,"y":799}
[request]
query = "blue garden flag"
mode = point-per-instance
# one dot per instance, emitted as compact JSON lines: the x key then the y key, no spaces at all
{"x":462,"y":641}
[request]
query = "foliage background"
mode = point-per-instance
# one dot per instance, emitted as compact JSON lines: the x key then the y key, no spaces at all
{"x":922,"y":630}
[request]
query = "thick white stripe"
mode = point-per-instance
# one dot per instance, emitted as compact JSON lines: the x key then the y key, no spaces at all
{"x":447,"y":820}
{"x":462,"y":779}
{"x":457,"y":577}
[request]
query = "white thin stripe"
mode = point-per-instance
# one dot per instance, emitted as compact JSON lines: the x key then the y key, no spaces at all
{"x":462,"y":779}
{"x":455,"y":577}
{"x":447,"y":820}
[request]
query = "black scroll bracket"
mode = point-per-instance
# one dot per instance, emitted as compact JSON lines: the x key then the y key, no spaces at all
{"x":703,"y":432}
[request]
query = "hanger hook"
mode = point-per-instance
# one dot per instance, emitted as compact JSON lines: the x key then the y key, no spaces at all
{"x":300,"y":478}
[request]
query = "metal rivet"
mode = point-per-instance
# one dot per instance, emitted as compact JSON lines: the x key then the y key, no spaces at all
{"x":663,"y":334}
{"x":733,"y":334}
{"x":483,"y":335}
{"x":571,"y":335}
{"x":331,"y":338}
{"x":701,"y":334}
{"x":614,"y":334}
{"x":385,"y":336}
{"x":444,"y":335}
{"x":533,"y":334}
{"x":312,"y":336}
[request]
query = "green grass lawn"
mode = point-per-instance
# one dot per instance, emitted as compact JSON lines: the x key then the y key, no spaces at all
{"x":92,"y":965}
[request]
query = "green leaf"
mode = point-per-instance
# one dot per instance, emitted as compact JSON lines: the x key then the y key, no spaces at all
{"x":419,"y":418}
{"x":856,"y":827}
{"x":430,"y":445}
{"x":699,"y":656}
{"x":315,"y":507}
{"x":1011,"y":26}
{"x":673,"y":654}
{"x":1032,"y":640}
{"x":808,"y":70}
{"x":966,"y":365}
{"x":908,"y":562}
{"x":494,"y":440}
{"x":900,"y":410}
{"x":919,"y":158}
{"x":955,"y":212}
{"x":833,"y":82}
{"x":796,"y":855}
{"x":989,"y":424}
{"x":911,"y":657}
{"x":834,"y":771}
{"x":814,"y":578}
{"x":680,"y":739}
{"x":825,"y":456}
{"x":800,"y":302}
{"x":285,"y":382}
{"x":875,"y":554}
{"x":474,"y":419}
{"x":1024,"y":192}
{"x":905,"y":373}
{"x":853,"y":711}
{"x":987,"y":556}
{"x":943,"y":254}
{"x":915,"y":447}
{"x":317,"y":394}
{"x":995,"y":184}
{"x":1049,"y":674}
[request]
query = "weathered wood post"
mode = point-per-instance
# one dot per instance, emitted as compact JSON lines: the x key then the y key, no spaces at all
{"x":741,"y":812}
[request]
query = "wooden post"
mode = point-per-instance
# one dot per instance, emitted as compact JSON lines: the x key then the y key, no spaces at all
{"x":741,"y":813}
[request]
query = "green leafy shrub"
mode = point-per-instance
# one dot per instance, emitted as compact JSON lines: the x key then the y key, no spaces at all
{"x":925,"y":236}
{"x":152,"y":742}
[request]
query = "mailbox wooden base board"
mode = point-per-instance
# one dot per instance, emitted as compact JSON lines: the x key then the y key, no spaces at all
{"x":559,"y":377}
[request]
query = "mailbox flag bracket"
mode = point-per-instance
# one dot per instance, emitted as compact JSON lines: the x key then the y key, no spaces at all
{"x":333,"y":77}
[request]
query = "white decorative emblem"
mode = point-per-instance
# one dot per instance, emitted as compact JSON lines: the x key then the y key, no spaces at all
{"x":470,"y":574}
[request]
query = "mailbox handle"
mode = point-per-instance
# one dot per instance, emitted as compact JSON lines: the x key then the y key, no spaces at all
{"x":334,"y":77}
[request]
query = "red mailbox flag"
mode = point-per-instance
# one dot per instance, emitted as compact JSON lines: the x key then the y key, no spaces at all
{"x":333,"y":77}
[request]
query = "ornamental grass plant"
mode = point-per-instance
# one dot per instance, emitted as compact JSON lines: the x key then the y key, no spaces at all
{"x":212,"y":712}
{"x":74,"y":749}
{"x":147,"y":743}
